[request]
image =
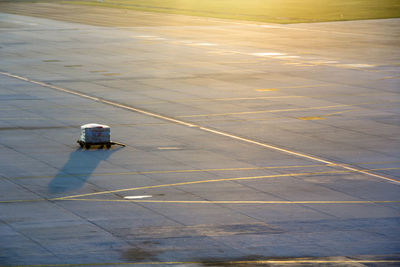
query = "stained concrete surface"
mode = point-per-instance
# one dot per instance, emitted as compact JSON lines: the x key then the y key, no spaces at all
{"x":328,"y":90}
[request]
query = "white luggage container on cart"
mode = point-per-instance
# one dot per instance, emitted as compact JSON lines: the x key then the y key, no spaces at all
{"x":95,"y":134}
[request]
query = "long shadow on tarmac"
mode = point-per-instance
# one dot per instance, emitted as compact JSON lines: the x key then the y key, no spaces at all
{"x":79,"y":167}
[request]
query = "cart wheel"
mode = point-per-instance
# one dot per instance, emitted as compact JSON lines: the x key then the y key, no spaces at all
{"x":101,"y":146}
{"x":87,"y":146}
{"x":108,"y":146}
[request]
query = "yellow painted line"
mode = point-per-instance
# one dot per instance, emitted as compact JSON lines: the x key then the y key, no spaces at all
{"x":174,"y":171}
{"x":311,"y":118}
{"x":217,"y":263}
{"x":219,"y":180}
{"x":183,"y":123}
{"x":267,"y":90}
{"x":267,"y":111}
{"x":237,"y":201}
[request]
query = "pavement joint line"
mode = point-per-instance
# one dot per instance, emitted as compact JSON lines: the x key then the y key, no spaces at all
{"x":239,"y":201}
{"x":173,"y":171}
{"x":190,"y":171}
{"x":249,"y":262}
{"x":217,"y":132}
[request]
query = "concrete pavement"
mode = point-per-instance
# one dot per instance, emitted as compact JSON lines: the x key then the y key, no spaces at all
{"x":245,"y":143}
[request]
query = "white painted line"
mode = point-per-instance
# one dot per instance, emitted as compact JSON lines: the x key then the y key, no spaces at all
{"x":269,"y":26}
{"x":149,"y":37}
{"x":329,"y":62}
{"x":358,"y":65}
{"x":137,"y":197}
{"x":221,"y":133}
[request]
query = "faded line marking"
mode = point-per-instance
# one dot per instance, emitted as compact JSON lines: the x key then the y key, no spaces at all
{"x":322,"y":117}
{"x":357,"y":65}
{"x":267,"y":111}
{"x":221,"y":99}
{"x":390,"y":77}
{"x":180,"y":122}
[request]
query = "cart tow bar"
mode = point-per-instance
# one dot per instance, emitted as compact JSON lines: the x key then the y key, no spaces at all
{"x":117,"y":143}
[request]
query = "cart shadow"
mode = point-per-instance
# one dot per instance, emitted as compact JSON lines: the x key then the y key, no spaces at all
{"x":78,"y":169}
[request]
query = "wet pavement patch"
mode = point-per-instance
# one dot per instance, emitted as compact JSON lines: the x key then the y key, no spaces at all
{"x":138,"y":254}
